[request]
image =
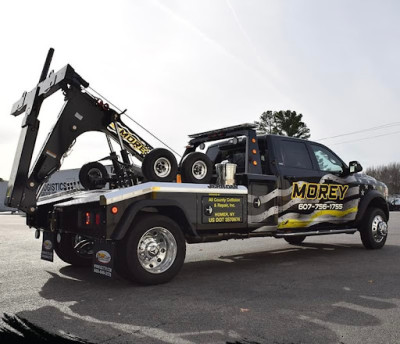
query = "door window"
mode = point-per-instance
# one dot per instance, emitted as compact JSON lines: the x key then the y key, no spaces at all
{"x":327,"y":161}
{"x":295,"y":154}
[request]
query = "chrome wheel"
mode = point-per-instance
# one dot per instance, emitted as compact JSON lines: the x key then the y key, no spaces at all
{"x":162,"y":167}
{"x":83,"y":246}
{"x":199,"y":169}
{"x":157,"y":250}
{"x":379,"y":228}
{"x":74,"y":249}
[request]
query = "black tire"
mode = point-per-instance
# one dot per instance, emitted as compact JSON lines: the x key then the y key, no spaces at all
{"x":374,"y":234}
{"x":66,"y":251}
{"x":160,"y":165}
{"x":154,"y":234}
{"x":196,"y":168}
{"x":93,"y":176}
{"x":295,"y":240}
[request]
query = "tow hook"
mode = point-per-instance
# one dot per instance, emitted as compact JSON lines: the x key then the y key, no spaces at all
{"x":383,"y":228}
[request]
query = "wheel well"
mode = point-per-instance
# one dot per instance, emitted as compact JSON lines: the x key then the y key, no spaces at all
{"x":174,"y":213}
{"x":381,"y":204}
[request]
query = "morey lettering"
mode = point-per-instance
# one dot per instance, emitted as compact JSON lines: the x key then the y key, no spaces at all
{"x":331,"y":192}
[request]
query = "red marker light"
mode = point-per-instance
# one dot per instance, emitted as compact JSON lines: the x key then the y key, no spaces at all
{"x":114,"y":210}
{"x":87,"y":218}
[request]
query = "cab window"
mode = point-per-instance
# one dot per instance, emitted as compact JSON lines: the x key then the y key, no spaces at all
{"x":295,"y":154}
{"x":327,"y":161}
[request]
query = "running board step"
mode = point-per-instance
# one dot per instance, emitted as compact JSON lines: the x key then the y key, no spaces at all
{"x":321,"y":232}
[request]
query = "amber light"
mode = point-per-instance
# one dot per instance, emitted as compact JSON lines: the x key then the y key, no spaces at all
{"x":253,"y":140}
{"x":255,"y":163}
{"x":87,"y":218}
{"x":254,"y":151}
{"x":114,"y":210}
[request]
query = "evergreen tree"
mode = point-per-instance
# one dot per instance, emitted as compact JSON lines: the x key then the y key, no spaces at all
{"x":287,"y":123}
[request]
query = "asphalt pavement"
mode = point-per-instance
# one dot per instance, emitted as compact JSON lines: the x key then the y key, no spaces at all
{"x":328,"y":290}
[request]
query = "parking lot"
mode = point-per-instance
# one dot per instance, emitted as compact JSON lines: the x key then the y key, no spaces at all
{"x":329,"y":290}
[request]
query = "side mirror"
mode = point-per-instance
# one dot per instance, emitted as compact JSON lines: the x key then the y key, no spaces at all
{"x":354,"y":167}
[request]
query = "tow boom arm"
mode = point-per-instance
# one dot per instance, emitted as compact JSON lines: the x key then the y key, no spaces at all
{"x":82,"y":112}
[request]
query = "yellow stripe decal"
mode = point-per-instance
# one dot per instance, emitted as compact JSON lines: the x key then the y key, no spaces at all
{"x":291,"y":223}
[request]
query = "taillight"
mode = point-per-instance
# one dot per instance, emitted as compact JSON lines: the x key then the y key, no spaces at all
{"x":97,"y":217}
{"x":92,"y":218}
{"x":87,"y":218}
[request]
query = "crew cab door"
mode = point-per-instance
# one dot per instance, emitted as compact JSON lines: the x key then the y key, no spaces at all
{"x":310,"y":186}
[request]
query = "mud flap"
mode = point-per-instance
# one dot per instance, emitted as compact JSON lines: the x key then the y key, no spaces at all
{"x":49,"y":239}
{"x":103,"y":257}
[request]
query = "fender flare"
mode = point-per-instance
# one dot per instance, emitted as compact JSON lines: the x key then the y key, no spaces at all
{"x":374,"y":197}
{"x":132,"y":211}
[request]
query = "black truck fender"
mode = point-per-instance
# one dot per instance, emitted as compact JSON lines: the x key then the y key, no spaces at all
{"x":372,"y":198}
{"x":168,"y":208}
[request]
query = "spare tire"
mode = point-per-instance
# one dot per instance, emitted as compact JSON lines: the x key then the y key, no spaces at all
{"x":196,"y":168}
{"x":93,"y":175}
{"x":160,"y":165}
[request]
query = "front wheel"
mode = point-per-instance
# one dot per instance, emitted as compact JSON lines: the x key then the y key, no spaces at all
{"x":374,"y":229}
{"x":153,"y":252}
{"x":74,"y":249}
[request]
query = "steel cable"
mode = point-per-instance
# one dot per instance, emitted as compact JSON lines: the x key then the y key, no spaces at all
{"x":137,"y":123}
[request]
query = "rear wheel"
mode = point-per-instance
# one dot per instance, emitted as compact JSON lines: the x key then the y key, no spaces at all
{"x":295,"y":240}
{"x":374,"y":229}
{"x":74,"y":249}
{"x":153,"y":251}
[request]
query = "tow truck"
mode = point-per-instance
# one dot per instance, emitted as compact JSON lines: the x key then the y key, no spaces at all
{"x":231,"y":183}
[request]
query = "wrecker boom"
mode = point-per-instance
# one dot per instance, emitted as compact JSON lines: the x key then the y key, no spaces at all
{"x":82,"y":112}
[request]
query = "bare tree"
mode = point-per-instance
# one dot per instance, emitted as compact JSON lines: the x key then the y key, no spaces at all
{"x":389,"y":174}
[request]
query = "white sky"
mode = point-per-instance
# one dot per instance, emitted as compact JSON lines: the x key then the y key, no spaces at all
{"x":185,"y":66}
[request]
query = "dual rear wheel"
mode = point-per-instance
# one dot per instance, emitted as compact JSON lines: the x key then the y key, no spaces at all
{"x":153,"y":251}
